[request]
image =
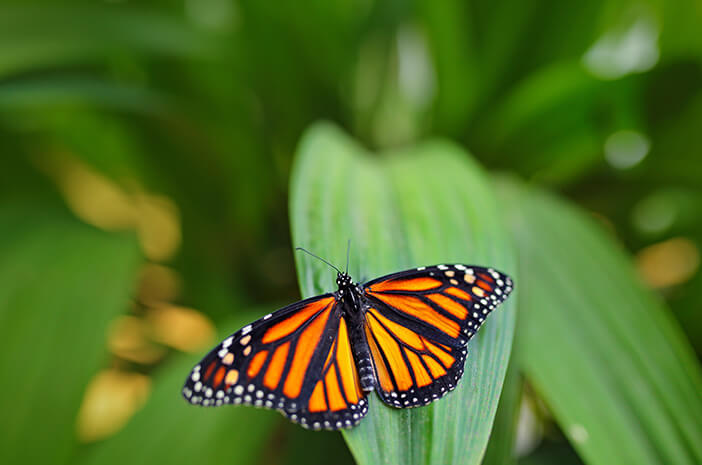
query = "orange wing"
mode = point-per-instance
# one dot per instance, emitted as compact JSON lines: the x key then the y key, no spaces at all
{"x":337,"y":399}
{"x":411,"y":369}
{"x":297,"y":360}
{"x":418,"y":323}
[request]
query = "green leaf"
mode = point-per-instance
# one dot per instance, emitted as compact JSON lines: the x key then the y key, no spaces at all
{"x":421,"y":206}
{"x":500,"y":449}
{"x":39,"y":36}
{"x":39,"y":93}
{"x":170,"y":430}
{"x":61,"y":282}
{"x":605,"y":355}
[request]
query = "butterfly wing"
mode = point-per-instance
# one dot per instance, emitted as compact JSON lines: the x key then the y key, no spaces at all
{"x":417,"y":323}
{"x":297,"y":360}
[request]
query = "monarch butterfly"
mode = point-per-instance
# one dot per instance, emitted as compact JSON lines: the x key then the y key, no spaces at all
{"x":316,"y":361}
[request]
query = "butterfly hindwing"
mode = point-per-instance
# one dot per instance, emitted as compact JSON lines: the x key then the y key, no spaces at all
{"x":411,"y":369}
{"x":297,"y":360}
{"x":337,"y":400}
{"x":417,"y":323}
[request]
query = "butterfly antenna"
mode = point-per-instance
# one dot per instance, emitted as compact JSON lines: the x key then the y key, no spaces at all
{"x":318,"y":258}
{"x":348,"y":249}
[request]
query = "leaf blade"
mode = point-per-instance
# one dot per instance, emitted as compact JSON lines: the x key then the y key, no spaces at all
{"x":61,"y":282}
{"x":623,"y":382}
{"x":396,"y":225}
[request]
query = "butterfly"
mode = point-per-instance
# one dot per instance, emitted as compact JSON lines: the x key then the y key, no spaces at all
{"x":403,"y":335}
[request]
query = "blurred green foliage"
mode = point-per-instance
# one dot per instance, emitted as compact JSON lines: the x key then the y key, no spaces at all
{"x":147,"y":150}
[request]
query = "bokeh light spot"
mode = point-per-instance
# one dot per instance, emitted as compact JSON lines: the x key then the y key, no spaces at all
{"x":626,"y":149}
{"x":112,"y":397}
{"x":92,"y":197}
{"x":578,"y":433}
{"x":128,"y":339}
{"x":625,"y":50}
{"x":655,"y":213}
{"x":158,"y":227}
{"x":668,"y":263}
{"x":181,"y":328}
{"x":158,"y":283}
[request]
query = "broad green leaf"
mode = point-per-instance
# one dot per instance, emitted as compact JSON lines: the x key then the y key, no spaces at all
{"x":61,"y":282}
{"x":500,"y":449}
{"x":170,"y":430}
{"x":421,"y":206}
{"x":604,"y":354}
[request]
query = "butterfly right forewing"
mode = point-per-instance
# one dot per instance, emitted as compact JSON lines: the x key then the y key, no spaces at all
{"x":418,"y":322}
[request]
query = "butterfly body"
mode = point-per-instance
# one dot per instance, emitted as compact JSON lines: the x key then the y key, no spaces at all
{"x":403,"y":335}
{"x":350,"y":301}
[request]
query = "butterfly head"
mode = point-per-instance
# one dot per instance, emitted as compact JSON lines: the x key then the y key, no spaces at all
{"x":344,"y":281}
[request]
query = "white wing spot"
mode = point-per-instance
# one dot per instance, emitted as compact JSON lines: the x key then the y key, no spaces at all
{"x":246,"y":330}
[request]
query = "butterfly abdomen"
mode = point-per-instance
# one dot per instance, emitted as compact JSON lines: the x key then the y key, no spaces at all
{"x":361,"y":354}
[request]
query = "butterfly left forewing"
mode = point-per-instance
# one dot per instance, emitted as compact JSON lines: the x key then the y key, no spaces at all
{"x":278,"y":362}
{"x":250,"y":366}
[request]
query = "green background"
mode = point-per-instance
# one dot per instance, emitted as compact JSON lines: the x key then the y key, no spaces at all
{"x":165,"y":156}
